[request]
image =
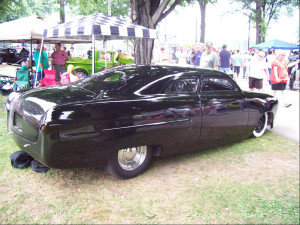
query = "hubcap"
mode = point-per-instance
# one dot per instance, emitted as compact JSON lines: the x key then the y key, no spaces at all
{"x":80,"y":74}
{"x":132,"y":158}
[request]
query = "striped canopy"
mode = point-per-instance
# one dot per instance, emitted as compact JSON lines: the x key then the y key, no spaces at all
{"x":100,"y":25}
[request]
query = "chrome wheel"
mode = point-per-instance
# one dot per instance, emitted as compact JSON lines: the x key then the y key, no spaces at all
{"x":82,"y":73}
{"x":131,"y":158}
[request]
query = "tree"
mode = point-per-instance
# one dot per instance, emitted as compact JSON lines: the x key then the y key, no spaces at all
{"x":264,"y":11}
{"x":148,"y":14}
{"x":202,"y":4}
{"x":62,"y":16}
{"x":14,"y":9}
{"x":119,"y":8}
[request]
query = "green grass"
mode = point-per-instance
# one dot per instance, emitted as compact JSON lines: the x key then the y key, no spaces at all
{"x":255,"y":181}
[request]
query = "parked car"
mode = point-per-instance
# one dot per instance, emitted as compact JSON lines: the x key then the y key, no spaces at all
{"x":84,"y":66}
{"x":123,"y":117}
{"x":12,"y":56}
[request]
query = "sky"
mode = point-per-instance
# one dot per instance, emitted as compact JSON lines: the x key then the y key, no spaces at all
{"x":223,"y":26}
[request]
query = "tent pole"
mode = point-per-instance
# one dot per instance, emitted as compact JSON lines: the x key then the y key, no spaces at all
{"x":38,"y":65}
{"x":93,"y":54}
{"x":31,"y":54}
{"x":105,"y":45}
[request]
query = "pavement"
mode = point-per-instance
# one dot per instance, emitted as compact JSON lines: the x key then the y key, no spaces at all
{"x":286,"y":121}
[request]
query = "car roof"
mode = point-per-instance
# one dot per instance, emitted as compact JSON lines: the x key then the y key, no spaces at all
{"x":138,"y":76}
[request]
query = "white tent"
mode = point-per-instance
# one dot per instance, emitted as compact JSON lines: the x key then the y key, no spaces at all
{"x":29,"y":30}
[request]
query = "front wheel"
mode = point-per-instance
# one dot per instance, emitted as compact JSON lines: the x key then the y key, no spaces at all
{"x":81,"y":72}
{"x":261,"y":126}
{"x":129,"y":162}
{"x":1,"y":60}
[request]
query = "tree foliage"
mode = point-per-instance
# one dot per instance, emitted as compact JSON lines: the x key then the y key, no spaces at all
{"x":14,"y":9}
{"x":119,"y":8}
{"x":264,"y":11}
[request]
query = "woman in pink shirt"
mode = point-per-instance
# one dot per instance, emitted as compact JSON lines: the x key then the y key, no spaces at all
{"x":58,"y":59}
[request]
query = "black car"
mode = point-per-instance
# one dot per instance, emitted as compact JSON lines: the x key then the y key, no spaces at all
{"x":123,"y":117}
{"x":12,"y":56}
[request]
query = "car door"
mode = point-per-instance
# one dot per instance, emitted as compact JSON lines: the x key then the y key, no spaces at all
{"x":185,"y":106}
{"x":224,"y":111}
{"x":173,"y":116}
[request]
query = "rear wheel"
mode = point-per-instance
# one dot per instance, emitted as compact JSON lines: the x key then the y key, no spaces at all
{"x":81,"y":72}
{"x":261,"y":126}
{"x":129,"y":162}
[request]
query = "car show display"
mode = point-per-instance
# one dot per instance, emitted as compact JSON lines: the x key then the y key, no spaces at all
{"x":122,"y":117}
{"x":109,"y":58}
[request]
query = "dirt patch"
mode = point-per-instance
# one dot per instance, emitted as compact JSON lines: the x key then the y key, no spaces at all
{"x":8,"y":70}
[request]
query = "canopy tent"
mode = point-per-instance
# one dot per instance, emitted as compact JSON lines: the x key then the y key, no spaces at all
{"x":29,"y":30}
{"x":102,"y":26}
{"x":99,"y":26}
{"x":275,"y":44}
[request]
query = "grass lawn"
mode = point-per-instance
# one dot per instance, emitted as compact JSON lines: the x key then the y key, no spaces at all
{"x":255,"y":181}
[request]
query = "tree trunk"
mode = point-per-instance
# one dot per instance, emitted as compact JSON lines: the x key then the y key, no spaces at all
{"x":62,"y":11}
{"x":258,"y":21}
{"x":202,"y":25}
{"x":141,"y":14}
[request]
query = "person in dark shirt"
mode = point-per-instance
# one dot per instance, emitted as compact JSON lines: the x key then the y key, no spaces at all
{"x":225,"y":60}
{"x":197,"y":56}
{"x":90,"y":53}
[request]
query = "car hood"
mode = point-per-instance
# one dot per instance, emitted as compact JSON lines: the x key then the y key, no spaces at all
{"x":36,"y":102}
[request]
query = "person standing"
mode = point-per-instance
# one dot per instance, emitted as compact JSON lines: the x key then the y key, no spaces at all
{"x":270,"y":59}
{"x":237,"y":62}
{"x":43,"y":63}
{"x":163,"y":57}
{"x":257,"y":71}
{"x":245,"y":63}
{"x":58,"y":60}
{"x":225,"y":60}
{"x":197,"y":56}
{"x":209,"y":59}
{"x":279,"y":75}
{"x":90,"y":53}
{"x":71,"y":53}
{"x":181,"y":57}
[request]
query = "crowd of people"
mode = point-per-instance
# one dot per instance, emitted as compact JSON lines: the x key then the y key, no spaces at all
{"x":255,"y":65}
{"x":55,"y":61}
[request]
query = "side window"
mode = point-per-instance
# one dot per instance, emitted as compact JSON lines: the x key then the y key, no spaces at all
{"x":185,"y":85}
{"x":102,"y":56}
{"x":217,"y":84}
{"x":116,"y":76}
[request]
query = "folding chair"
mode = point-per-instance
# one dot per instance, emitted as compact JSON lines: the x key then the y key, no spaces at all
{"x":49,"y":79}
{"x":22,"y":82}
{"x":65,"y":78}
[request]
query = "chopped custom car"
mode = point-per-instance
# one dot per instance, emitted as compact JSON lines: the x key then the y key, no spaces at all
{"x":123,"y":117}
